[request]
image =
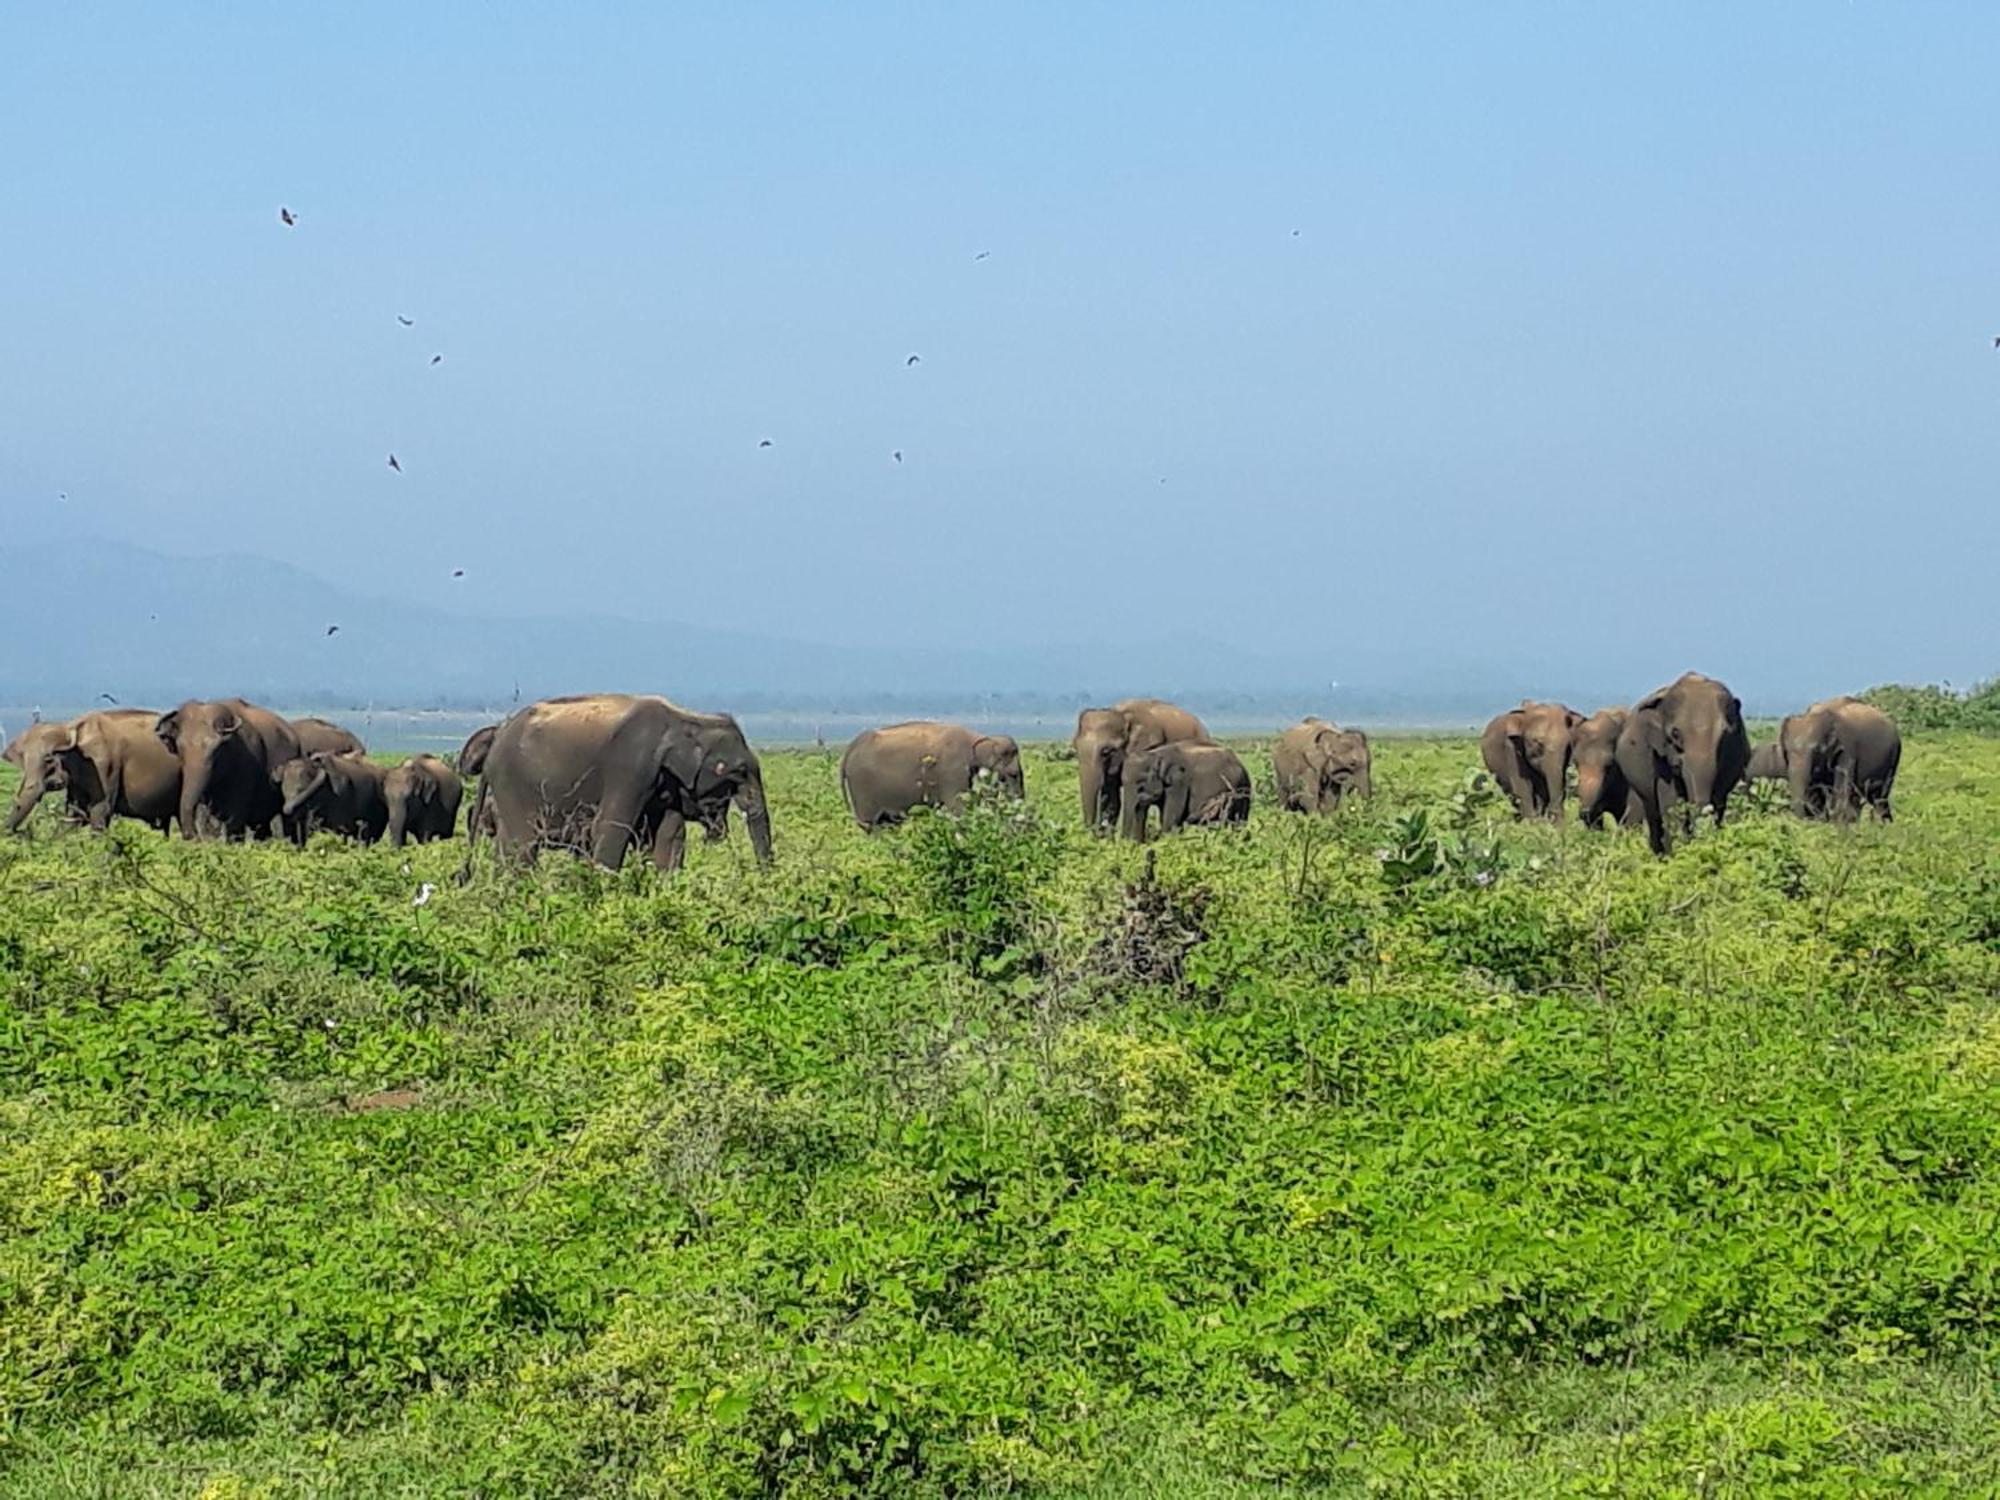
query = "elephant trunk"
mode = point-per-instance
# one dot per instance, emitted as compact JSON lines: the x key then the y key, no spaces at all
{"x":1589,"y":791}
{"x":194,"y":788}
{"x":756,"y":817}
{"x":1090,"y":787}
{"x":25,"y":797}
{"x":1698,"y":776}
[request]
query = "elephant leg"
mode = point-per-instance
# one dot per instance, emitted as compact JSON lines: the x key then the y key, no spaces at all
{"x":1656,"y":821}
{"x":670,"y":842}
{"x":101,"y":812}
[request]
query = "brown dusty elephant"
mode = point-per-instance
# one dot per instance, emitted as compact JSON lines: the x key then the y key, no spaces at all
{"x":1601,"y":789}
{"x":1528,"y":751}
{"x":592,"y":774}
{"x":1188,"y":783}
{"x":1106,"y":737}
{"x":341,"y":794}
{"x":322,"y":734}
{"x":111,"y":764}
{"x":472,"y":755}
{"x":31,"y":747}
{"x":888,"y":771}
{"x":231,"y":754}
{"x":1839,"y":756}
{"x":423,"y":794}
{"x":1316,"y":764}
{"x":1767,"y":762}
{"x":1684,"y":743}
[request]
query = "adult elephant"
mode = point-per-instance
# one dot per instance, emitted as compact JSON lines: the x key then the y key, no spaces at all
{"x":341,"y":794}
{"x":31,"y":747}
{"x":472,"y":754}
{"x":591,"y":773}
{"x":323,"y":736}
{"x":888,"y":771}
{"x":1188,"y":783}
{"x":231,"y":755}
{"x":1316,"y":764}
{"x":111,"y":764}
{"x":1685,"y":743}
{"x":1841,"y":755}
{"x":1106,"y":738}
{"x":1528,"y":751}
{"x":1601,"y":789}
{"x":1767,"y":762}
{"x":423,"y":794}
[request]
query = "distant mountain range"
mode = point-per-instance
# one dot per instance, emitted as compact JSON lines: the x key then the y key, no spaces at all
{"x":83,"y":619}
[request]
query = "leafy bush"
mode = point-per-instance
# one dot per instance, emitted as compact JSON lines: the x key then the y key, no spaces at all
{"x":1930,"y":708}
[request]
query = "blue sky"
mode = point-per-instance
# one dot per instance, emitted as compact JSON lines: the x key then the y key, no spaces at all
{"x":1620,"y":339}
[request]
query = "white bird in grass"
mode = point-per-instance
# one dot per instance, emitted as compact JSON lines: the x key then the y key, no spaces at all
{"x":424,"y":894}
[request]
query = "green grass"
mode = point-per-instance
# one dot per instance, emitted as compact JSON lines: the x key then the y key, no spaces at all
{"x":973,"y":1159}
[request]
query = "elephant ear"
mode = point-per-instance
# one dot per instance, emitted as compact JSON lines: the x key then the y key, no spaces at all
{"x":167,"y":730}
{"x":1572,"y":718}
{"x":226,"y":720}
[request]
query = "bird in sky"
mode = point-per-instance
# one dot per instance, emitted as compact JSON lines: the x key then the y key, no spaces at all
{"x":333,"y":630}
{"x":435,"y":358}
{"x":109,"y":699}
{"x":765,"y":444}
{"x":406,"y":322}
{"x":394,"y":465}
{"x":458,"y":572}
{"x":1295,"y":234}
{"x":914,"y":359}
{"x":897,"y":455}
{"x":982,"y":255}
{"x":64,"y":496}
{"x":1996,"y":343}
{"x":287,"y":217}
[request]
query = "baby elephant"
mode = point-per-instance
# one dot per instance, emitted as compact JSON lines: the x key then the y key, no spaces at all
{"x":340,"y":793}
{"x":1601,"y":789}
{"x":1188,"y":784}
{"x":886,"y":772}
{"x":423,"y":794}
{"x":1316,"y":764}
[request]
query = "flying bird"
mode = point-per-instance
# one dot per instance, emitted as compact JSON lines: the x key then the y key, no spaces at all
{"x":64,"y":496}
{"x":109,"y":699}
{"x":287,"y":217}
{"x":1996,"y":343}
{"x":394,"y":465}
{"x":765,"y":444}
{"x":914,"y":359}
{"x":897,"y":455}
{"x":406,"y":322}
{"x":436,"y":357}
{"x":333,"y":630}
{"x":458,"y":572}
{"x":1295,"y":234}
{"x":982,"y":255}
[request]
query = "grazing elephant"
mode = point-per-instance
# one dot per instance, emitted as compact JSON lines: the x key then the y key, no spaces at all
{"x":1601,"y":789}
{"x":231,"y":753}
{"x":1188,"y":783}
{"x":30,"y":748}
{"x":1840,"y":755}
{"x":1106,"y":737}
{"x":342,"y":794}
{"x":1528,"y":751}
{"x":591,"y":773}
{"x":472,"y":754}
{"x":320,"y":734}
{"x":1767,"y":762}
{"x":1685,"y":743}
{"x":111,"y":764}
{"x":1316,"y":764}
{"x":888,"y":771}
{"x":423,"y":795}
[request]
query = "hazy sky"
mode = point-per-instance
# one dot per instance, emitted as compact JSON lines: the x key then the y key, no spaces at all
{"x":1632,"y":336}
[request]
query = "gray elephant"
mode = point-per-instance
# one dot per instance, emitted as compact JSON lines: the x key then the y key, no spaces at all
{"x":1528,"y":751}
{"x":30,"y":748}
{"x":1684,"y":743}
{"x":472,"y":755}
{"x":1601,"y":789}
{"x":1841,"y":755}
{"x":592,"y":774}
{"x":1316,"y":764}
{"x":322,"y":734}
{"x":1767,"y":762}
{"x":110,"y":764}
{"x":423,"y":794}
{"x":341,"y":794}
{"x":888,"y":771}
{"x":1106,"y":737}
{"x":231,"y":753}
{"x":1188,"y":783}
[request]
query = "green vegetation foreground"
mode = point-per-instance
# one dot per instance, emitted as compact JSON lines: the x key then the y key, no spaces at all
{"x":1411,"y":1149}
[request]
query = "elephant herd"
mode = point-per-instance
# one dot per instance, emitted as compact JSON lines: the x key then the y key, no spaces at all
{"x":599,"y":774}
{"x":1686,"y":744}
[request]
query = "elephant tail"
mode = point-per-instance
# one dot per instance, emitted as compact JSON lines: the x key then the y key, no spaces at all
{"x":472,"y":829}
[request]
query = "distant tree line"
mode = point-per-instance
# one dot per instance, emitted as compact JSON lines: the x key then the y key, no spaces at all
{"x":1940,"y":705}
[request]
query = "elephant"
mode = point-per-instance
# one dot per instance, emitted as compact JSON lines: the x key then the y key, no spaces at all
{"x":472,"y":755}
{"x":1685,"y":743}
{"x":1188,"y":783}
{"x":29,"y":749}
{"x":342,"y":794}
{"x":321,"y":734}
{"x":1840,"y":755}
{"x":1767,"y":762}
{"x":423,"y":794}
{"x":1528,"y":751}
{"x":111,"y":764}
{"x":888,"y":771}
{"x":1316,"y":764}
{"x":1106,"y":737}
{"x":1601,"y":789}
{"x":593,"y":773}
{"x":231,"y":754}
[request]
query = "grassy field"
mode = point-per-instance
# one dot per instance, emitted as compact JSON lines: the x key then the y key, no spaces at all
{"x":1410,"y":1152}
